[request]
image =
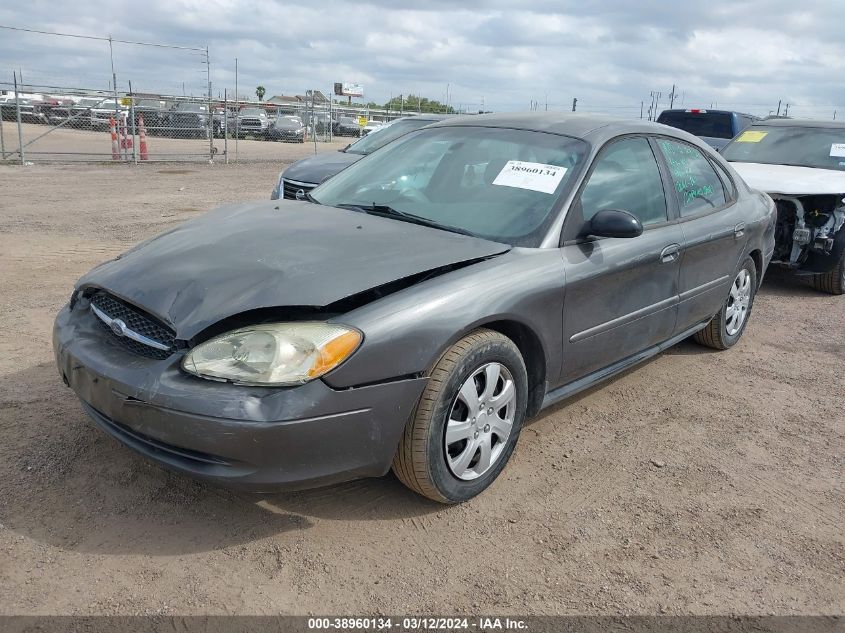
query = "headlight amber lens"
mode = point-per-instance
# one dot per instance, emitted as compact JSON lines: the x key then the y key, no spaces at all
{"x":273,"y":353}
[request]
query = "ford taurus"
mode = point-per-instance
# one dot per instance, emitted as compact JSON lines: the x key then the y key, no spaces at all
{"x":418,"y":307}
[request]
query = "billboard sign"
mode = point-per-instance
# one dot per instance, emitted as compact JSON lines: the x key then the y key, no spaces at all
{"x":349,"y":90}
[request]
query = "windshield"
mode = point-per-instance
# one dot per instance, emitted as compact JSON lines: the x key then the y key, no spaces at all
{"x":190,"y":107}
{"x":253,"y":112}
{"x":818,"y":147}
{"x":497,"y":183}
{"x":710,"y":124}
{"x":370,"y":143}
{"x":288,"y":122}
{"x":148,"y":104}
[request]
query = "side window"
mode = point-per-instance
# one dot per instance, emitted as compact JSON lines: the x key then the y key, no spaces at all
{"x":626,"y":177}
{"x":730,"y":189}
{"x":697,"y":185}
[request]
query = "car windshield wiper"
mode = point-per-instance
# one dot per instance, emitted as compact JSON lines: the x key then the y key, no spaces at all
{"x":386,"y":211}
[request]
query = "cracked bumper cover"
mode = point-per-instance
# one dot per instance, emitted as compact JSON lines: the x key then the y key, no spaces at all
{"x":255,"y":438}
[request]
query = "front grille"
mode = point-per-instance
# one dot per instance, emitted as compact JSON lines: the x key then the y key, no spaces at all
{"x":138,"y":322}
{"x":250,"y":123}
{"x":290,"y":187}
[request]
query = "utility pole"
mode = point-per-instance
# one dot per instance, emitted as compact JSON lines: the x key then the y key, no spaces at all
{"x":237,"y":112}
{"x":778,"y":114}
{"x":574,"y":103}
{"x":642,"y":104}
{"x":547,"y":102}
{"x":672,"y":97}
{"x":786,"y":111}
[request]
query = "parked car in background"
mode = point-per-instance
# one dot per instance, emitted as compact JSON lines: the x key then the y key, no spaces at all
{"x":297,"y":344}
{"x":716,"y":127}
{"x":801,"y":165}
{"x":302,"y":176}
{"x":31,"y":110}
{"x":254,"y":122}
{"x":371,"y":126}
{"x":287,"y":128}
{"x":105,"y":111}
{"x":224,"y":121}
{"x":154,"y":114}
{"x":347,"y":126}
{"x":188,"y":119}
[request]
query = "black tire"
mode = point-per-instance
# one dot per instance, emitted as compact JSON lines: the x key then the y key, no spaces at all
{"x":420,"y":461}
{"x":715,"y":334}
{"x":832,"y":282}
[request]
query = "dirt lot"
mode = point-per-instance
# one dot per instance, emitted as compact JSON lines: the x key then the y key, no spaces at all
{"x":745,"y":516}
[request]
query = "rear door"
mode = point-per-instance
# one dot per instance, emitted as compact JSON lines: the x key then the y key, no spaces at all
{"x":713,"y":229}
{"x":621,"y":294}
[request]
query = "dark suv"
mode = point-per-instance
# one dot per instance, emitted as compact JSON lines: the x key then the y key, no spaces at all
{"x":715,"y":127}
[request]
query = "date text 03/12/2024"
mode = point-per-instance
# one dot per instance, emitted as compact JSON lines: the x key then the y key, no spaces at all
{"x":417,"y":623}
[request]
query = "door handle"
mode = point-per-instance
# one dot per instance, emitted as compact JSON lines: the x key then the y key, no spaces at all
{"x":739,"y":230}
{"x":670,"y":253}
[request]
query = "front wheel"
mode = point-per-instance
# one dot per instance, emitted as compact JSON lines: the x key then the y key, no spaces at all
{"x":832,"y":281}
{"x":468,"y":420}
{"x":726,"y":328}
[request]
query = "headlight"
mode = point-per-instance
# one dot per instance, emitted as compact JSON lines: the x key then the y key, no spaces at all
{"x":273,"y":354}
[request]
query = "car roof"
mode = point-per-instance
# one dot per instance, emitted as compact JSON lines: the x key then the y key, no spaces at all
{"x":591,"y":127}
{"x":800,"y":123}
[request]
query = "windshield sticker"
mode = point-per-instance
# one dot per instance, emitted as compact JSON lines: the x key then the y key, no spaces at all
{"x":837,"y":150}
{"x":751,"y":136}
{"x":533,"y":176}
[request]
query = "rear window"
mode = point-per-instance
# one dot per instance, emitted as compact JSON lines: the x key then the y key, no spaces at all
{"x":710,"y":124}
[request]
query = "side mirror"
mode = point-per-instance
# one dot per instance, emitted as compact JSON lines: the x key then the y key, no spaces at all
{"x":614,"y":223}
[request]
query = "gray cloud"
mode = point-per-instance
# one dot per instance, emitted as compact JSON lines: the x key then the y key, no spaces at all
{"x":609,"y":54}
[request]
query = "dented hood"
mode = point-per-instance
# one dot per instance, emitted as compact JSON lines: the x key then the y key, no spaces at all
{"x":319,"y":167}
{"x":273,"y":254}
{"x":790,"y":180}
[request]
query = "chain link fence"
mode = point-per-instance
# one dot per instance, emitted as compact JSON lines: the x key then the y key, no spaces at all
{"x":71,"y":98}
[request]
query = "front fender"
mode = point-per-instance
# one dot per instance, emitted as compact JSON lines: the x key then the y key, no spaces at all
{"x":406,"y":332}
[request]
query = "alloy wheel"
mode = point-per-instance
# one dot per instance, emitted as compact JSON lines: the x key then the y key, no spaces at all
{"x":480,"y":421}
{"x":739,"y":301}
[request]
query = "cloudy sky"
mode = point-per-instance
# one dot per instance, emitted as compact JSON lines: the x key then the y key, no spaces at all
{"x":610,"y":54}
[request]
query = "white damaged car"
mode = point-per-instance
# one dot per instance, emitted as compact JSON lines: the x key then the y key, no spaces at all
{"x":801,"y":165}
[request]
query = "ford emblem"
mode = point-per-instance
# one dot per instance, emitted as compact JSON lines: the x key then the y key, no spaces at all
{"x":118,"y":327}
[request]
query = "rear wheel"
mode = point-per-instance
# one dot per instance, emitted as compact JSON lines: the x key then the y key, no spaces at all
{"x":468,"y":420}
{"x":832,"y":281}
{"x":726,"y":328}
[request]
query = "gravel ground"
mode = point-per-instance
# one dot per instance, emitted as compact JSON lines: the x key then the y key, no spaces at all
{"x":698,"y":483}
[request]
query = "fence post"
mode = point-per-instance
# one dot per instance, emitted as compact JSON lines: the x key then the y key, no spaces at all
{"x":210,"y":113}
{"x":18,"y":109}
{"x":3,"y":141}
{"x":225,"y":125}
{"x":132,"y":118}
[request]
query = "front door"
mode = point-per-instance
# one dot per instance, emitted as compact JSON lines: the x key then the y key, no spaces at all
{"x":621,"y":293}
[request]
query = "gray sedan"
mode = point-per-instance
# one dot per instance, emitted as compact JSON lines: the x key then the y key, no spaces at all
{"x":419,"y":306}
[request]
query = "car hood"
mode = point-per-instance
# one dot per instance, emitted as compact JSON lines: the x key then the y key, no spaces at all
{"x":790,"y":180}
{"x":274,"y":254}
{"x":715,"y":143}
{"x":320,"y":166}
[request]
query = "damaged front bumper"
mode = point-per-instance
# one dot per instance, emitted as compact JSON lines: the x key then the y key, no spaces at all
{"x":810,"y":234}
{"x":250,"y":437}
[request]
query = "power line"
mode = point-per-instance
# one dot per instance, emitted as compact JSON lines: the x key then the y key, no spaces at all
{"x":102,"y":39}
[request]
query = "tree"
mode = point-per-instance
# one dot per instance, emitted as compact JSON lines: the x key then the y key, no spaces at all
{"x":259,"y":92}
{"x":416,"y":103}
